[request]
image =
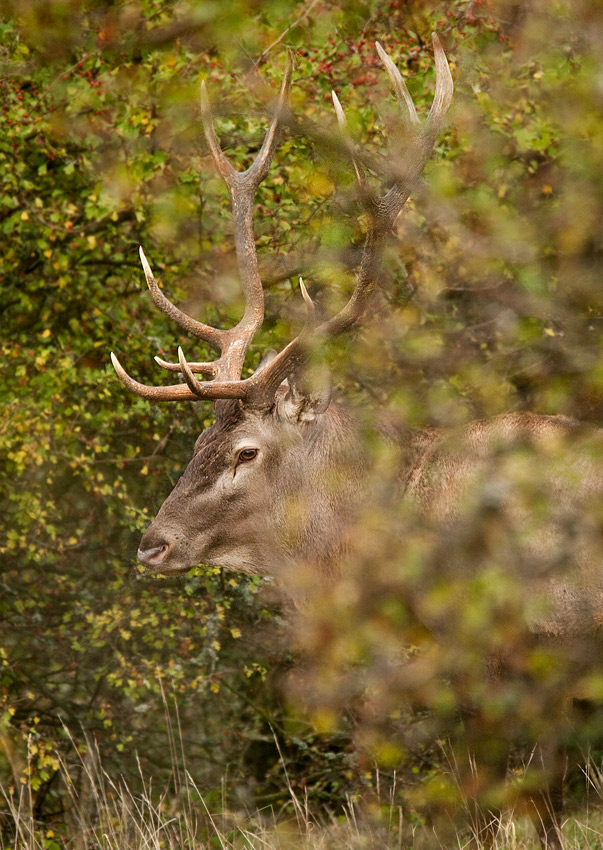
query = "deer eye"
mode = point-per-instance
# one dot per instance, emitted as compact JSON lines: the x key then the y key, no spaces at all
{"x":245,"y":455}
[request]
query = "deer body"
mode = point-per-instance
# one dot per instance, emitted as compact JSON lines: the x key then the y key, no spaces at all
{"x":284,"y":477}
{"x":506,"y":463}
{"x":311,"y":481}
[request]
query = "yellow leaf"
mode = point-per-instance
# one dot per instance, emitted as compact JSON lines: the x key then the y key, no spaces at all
{"x":144,"y":470}
{"x":215,"y":687}
{"x":320,"y":185}
{"x":236,"y":633}
{"x":325,"y":721}
{"x":45,"y":334}
{"x":24,"y":216}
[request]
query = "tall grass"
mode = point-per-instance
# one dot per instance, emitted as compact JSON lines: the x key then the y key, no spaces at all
{"x":102,"y":812}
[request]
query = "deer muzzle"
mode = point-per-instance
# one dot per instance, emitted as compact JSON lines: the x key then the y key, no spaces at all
{"x":153,"y":557}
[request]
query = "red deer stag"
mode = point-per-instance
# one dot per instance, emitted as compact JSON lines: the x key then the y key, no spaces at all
{"x":272,"y":438}
{"x":281,"y":478}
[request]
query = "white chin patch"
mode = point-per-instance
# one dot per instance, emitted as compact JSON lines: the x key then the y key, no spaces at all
{"x":238,"y":562}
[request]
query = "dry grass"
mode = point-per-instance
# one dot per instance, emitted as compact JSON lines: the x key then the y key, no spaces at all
{"x":105,"y":813}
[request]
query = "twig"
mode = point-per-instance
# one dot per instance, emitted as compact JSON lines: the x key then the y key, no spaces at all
{"x":278,"y":40}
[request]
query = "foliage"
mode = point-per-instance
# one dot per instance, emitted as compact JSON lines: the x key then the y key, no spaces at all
{"x":100,"y":152}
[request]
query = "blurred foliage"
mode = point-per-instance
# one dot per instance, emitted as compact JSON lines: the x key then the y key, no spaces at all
{"x":100,"y":149}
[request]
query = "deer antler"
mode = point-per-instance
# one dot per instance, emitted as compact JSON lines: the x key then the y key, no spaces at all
{"x":382,"y":211}
{"x":404,"y":173}
{"x":234,"y":342}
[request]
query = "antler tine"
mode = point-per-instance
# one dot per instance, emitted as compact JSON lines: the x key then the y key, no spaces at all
{"x":343,"y":126}
{"x":213,"y":336}
{"x":221,"y":162}
{"x":176,"y":392}
{"x":444,"y":85}
{"x":310,"y":306}
{"x":208,"y":369}
{"x":193,"y":384}
{"x":398,"y":83}
{"x":260,"y":166}
{"x":341,"y":119}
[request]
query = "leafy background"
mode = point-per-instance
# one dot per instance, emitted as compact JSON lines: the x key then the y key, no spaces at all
{"x":492,"y":304}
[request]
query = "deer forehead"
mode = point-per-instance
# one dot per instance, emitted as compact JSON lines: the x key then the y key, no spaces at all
{"x":218,"y":447}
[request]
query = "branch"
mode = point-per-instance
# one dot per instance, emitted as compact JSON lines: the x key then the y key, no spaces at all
{"x":278,"y":40}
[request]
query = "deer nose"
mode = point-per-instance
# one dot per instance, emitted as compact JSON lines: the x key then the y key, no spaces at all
{"x":153,"y":557}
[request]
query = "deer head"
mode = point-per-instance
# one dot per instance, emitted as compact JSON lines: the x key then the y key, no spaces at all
{"x":277,"y":478}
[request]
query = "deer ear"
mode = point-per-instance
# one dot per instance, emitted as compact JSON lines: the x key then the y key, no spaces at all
{"x":301,"y":398}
